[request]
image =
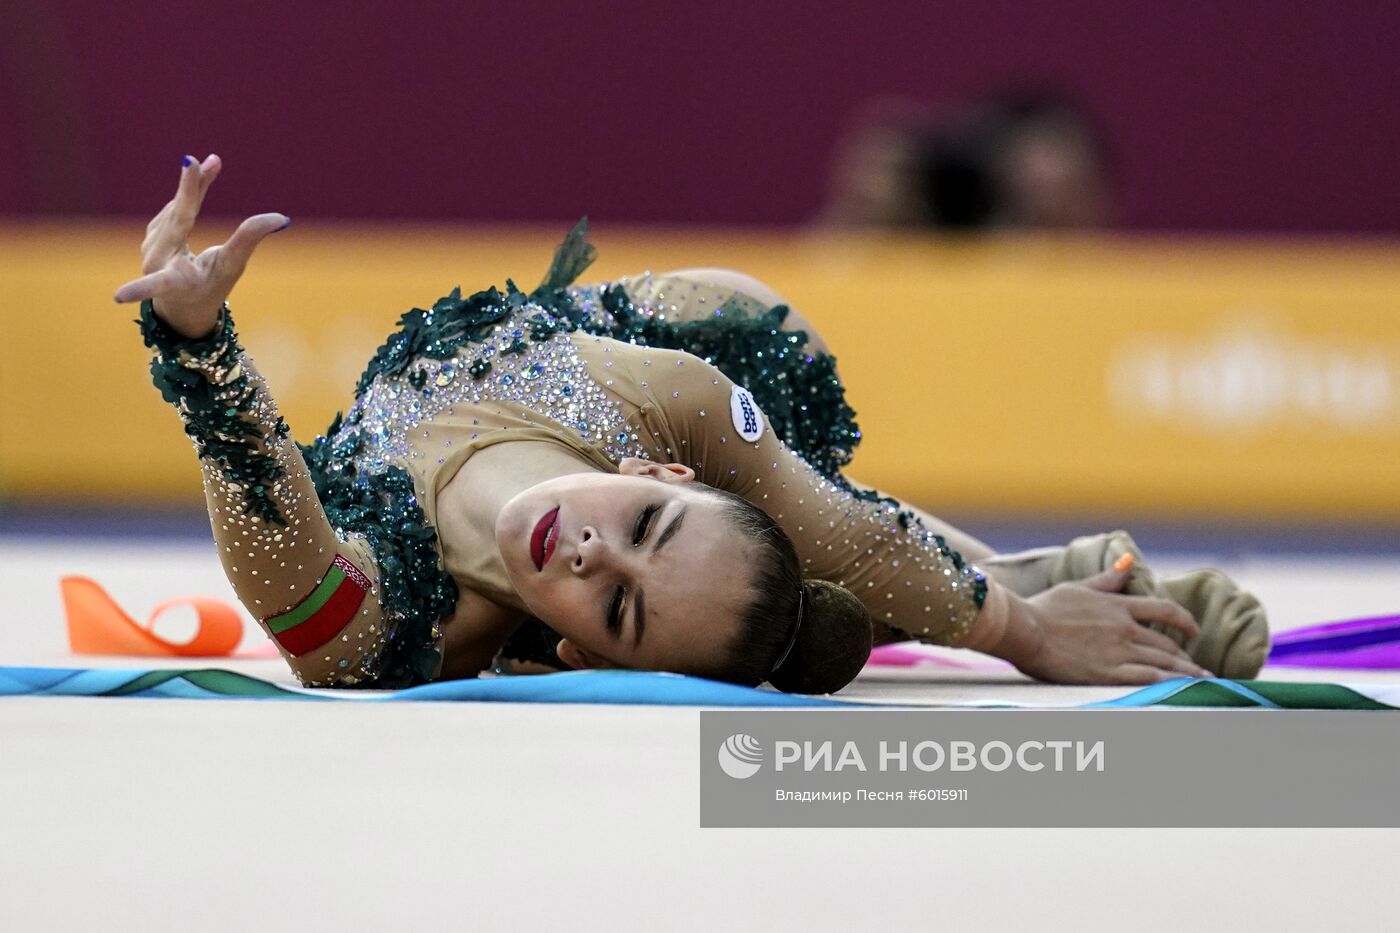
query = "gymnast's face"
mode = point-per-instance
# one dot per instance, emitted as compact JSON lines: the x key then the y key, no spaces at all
{"x":635,"y":570}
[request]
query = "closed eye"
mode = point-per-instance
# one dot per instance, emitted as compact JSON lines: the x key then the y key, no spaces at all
{"x":644,"y":522}
{"x":640,"y":531}
{"x":614,"y":618}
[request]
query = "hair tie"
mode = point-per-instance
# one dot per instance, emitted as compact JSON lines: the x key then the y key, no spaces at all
{"x":792,"y":639}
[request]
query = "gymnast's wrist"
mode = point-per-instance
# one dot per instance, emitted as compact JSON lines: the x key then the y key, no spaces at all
{"x":173,"y":342}
{"x":1006,"y":627}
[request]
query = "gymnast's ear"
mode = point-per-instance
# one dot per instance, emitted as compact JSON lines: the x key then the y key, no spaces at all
{"x":580,"y":659}
{"x":666,"y":472}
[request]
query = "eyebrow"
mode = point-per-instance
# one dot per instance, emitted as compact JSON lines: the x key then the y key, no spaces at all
{"x":639,"y":601}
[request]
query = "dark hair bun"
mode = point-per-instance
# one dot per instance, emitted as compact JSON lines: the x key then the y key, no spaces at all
{"x":833,"y":643}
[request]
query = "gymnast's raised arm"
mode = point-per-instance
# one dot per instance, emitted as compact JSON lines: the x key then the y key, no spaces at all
{"x":312,"y":589}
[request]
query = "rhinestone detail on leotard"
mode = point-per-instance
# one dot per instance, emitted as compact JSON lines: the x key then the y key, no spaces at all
{"x":547,"y":378}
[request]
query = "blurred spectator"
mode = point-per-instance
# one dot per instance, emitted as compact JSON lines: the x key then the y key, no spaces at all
{"x":1015,"y":161}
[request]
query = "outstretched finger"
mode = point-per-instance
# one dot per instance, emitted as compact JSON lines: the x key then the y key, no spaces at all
{"x":148,"y":286}
{"x":208,"y":170}
{"x":234,"y":255}
{"x":1147,"y":636}
{"x":1169,"y":661}
{"x":157,"y":246}
{"x":168,"y":232}
{"x":1152,"y":609}
{"x":184,"y":207}
{"x":1130,"y":674}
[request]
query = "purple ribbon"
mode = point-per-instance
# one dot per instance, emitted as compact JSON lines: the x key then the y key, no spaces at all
{"x":1372,"y":643}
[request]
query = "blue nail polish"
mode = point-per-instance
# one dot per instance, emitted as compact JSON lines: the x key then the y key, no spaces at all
{"x":284,"y":226}
{"x":186,"y":162}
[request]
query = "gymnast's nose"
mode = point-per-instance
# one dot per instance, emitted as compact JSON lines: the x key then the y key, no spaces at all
{"x":592,"y":554}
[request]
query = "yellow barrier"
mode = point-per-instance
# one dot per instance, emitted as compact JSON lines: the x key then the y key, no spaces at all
{"x":1168,"y":378}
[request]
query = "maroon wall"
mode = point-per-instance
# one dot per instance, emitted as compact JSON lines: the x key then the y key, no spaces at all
{"x":1240,"y":115}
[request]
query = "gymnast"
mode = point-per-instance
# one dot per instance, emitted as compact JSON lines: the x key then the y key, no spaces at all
{"x":640,"y":474}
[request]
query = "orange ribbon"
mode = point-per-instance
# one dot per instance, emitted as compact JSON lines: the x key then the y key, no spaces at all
{"x":97,"y":625}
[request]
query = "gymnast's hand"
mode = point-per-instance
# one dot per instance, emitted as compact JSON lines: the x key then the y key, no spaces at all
{"x":1089,"y":633}
{"x":188,"y":291}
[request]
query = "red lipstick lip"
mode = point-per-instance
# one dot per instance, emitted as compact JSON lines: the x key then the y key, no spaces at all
{"x":543,"y":538}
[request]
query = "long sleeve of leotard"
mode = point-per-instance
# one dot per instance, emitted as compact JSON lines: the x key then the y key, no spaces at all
{"x":311,"y":588}
{"x":906,"y":576}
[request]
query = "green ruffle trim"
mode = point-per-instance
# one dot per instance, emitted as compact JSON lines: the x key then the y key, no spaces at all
{"x":215,"y":413}
{"x":414,"y":592}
